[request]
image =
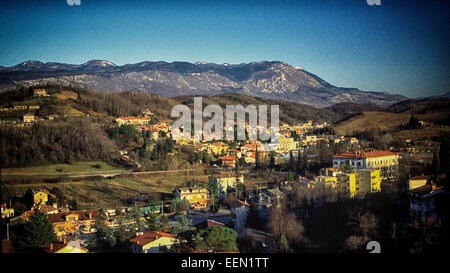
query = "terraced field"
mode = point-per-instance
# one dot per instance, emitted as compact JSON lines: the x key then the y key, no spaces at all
{"x":60,"y":170}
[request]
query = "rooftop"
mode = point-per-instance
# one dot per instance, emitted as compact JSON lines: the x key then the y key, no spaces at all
{"x":364,"y":154}
{"x":149,"y":236}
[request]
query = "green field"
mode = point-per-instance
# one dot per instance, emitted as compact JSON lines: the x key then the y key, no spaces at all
{"x":111,"y":192}
{"x":60,"y":170}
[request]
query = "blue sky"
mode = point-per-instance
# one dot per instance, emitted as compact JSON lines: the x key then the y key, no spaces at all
{"x":400,"y":47}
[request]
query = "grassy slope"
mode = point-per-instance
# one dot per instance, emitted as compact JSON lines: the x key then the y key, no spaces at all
{"x":369,"y":120}
{"x":52,"y":170}
{"x":115,"y":191}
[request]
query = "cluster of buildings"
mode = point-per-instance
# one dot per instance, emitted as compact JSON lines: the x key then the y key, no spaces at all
{"x":199,"y":196}
{"x":355,"y":174}
{"x":25,"y":115}
{"x":143,"y":125}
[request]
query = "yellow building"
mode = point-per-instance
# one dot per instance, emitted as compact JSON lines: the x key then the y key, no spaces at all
{"x":217,"y":148}
{"x":197,"y":196}
{"x":286,"y":144}
{"x":40,"y":93}
{"x":40,"y":198}
{"x":28,"y":118}
{"x":386,"y":161}
{"x":7,"y":212}
{"x":417,"y":181}
{"x":342,"y":184}
{"x":351,"y":184}
{"x":309,"y":140}
{"x":152,"y":242}
{"x":70,"y":247}
{"x":226,"y":181}
{"x":33,"y":107}
{"x":71,"y":223}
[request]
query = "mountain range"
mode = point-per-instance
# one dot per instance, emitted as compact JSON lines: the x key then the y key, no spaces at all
{"x":266,"y":79}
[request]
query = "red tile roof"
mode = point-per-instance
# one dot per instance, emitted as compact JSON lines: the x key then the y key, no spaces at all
{"x":149,"y":236}
{"x":364,"y":154}
{"x":135,"y":118}
{"x":209,"y":223}
{"x":228,"y":157}
{"x":225,"y":175}
{"x":237,"y":203}
{"x":82,"y":215}
{"x":420,"y":177}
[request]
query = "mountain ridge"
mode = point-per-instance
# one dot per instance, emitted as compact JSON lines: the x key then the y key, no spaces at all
{"x":267,"y":79}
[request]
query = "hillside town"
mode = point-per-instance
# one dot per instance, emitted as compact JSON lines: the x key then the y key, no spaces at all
{"x":245,"y":199}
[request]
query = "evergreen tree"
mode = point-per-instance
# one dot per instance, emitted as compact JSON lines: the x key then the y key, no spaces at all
{"x":217,"y":238}
{"x":300,"y":164}
{"x":444,"y":158}
{"x":272,"y":160}
{"x":257,"y":159}
{"x":136,"y":215}
{"x":213,"y":188}
{"x":183,"y":225}
{"x":38,"y":230}
{"x":240,"y":189}
{"x":291,"y":162}
{"x":104,"y":236}
{"x":290,"y":176}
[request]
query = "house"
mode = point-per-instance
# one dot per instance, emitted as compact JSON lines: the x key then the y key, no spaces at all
{"x":217,"y":148}
{"x":147,"y":112}
{"x":304,"y":180}
{"x":197,"y":196}
{"x":228,"y":161}
{"x":340,"y":183}
{"x":7,"y":212}
{"x":151,"y":131}
{"x":152,"y":241}
{"x":162,"y":126}
{"x":33,"y":107}
{"x":386,"y":161}
{"x":69,"y":247}
{"x":239,"y":210}
{"x":20,"y":107}
{"x":137,"y":121}
{"x":428,"y":202}
{"x":226,"y":181}
{"x":265,"y":199}
{"x":309,"y":140}
{"x":27,"y":118}
{"x":330,"y":171}
{"x":69,"y":223}
{"x":286,"y":144}
{"x":40,"y":93}
{"x":43,"y":208}
{"x":40,"y":196}
{"x":417,"y":181}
